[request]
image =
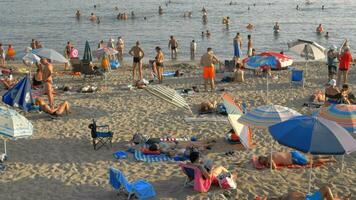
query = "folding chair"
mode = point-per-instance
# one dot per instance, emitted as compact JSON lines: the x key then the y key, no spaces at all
{"x":189,"y":172}
{"x":140,"y":188}
{"x":100,"y":138}
{"x":297,"y":76}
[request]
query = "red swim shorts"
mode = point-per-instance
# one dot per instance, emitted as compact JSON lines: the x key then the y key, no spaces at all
{"x":208,"y":72}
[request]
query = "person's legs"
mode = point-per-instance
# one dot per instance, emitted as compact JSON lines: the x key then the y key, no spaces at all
{"x":326,"y":193}
{"x":323,"y":159}
{"x":140,"y":70}
{"x":338,"y":80}
{"x":171,"y":53}
{"x":345,"y":74}
{"x":206,"y":84}
{"x":133,"y":72}
{"x":212,"y":84}
{"x":49,"y":90}
{"x":175,"y":53}
{"x":160,"y":72}
{"x":62,"y":107}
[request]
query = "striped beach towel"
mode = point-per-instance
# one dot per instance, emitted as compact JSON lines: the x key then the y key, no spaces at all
{"x":151,"y":158}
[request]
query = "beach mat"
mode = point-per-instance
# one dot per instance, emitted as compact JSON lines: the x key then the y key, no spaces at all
{"x":258,"y":166}
{"x":151,"y":158}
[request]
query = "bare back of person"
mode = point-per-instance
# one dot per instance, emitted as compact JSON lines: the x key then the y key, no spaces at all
{"x":282,"y":158}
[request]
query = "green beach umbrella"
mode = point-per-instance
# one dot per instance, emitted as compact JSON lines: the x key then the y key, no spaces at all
{"x":87,"y":53}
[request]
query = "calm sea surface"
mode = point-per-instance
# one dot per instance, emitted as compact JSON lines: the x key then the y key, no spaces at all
{"x":53,"y":23}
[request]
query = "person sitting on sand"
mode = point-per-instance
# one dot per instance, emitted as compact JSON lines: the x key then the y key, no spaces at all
{"x":250,"y":26}
{"x":291,"y":158}
{"x":8,"y":82}
{"x":332,"y":93}
{"x":63,"y":107}
{"x":206,"y":167}
{"x":92,"y":17}
{"x":324,"y":192}
{"x":239,"y":72}
{"x":77,"y":14}
{"x":208,"y":106}
{"x":319,"y":29}
{"x":346,"y":96}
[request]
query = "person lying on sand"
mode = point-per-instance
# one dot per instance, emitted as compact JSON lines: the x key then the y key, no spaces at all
{"x":8,"y":83}
{"x":208,"y":106}
{"x":290,"y":158}
{"x":323,"y":193}
{"x":64,"y":107}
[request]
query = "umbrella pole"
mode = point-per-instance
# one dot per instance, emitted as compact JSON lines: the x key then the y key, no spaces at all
{"x":271,"y":163}
{"x":5,"y":147}
{"x":342,"y":163}
{"x":267,"y":90}
{"x":310,"y":174}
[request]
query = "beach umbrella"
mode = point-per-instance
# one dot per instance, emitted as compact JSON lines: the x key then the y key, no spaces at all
{"x":105,"y":51}
{"x":13,"y":125}
{"x":267,"y":115}
{"x":30,"y":58}
{"x":87,"y":53}
{"x":169,"y":95}
{"x":313,"y":135}
{"x":343,"y":114}
{"x":50,"y":54}
{"x":307,"y":49}
{"x":20,"y":95}
{"x":234,"y":112}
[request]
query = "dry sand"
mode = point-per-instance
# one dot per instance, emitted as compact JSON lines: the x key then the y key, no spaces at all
{"x":59,"y":162}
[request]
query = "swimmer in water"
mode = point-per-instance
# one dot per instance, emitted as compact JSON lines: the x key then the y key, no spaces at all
{"x":327,"y":35}
{"x":207,"y":33}
{"x":77,"y":14}
{"x":297,"y":8}
{"x":94,"y":6}
{"x":98,"y":20}
{"x":202,"y":34}
{"x":276,"y":28}
{"x":319,"y":29}
{"x":322,"y":7}
{"x":204,"y":10}
{"x":250,"y":26}
{"x":132,"y":14}
{"x":116,"y":8}
{"x":160,"y":10}
{"x":92,"y":17}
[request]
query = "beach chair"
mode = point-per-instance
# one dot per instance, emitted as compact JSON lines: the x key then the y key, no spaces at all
{"x":76,"y":66}
{"x":297,"y":77}
{"x":100,"y":138}
{"x":195,"y":178}
{"x":140,"y":188}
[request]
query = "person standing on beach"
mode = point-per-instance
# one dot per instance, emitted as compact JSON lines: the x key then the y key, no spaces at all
{"x":120,"y":46}
{"x":345,"y":60}
{"x":67,"y":51}
{"x":159,"y":63}
{"x":332,"y":62}
{"x":237,"y":46}
{"x":207,"y":61}
{"x":48,"y":81}
{"x":173,"y":45}
{"x":137,"y":54}
{"x":2,"y":55}
{"x":193,"y":49}
{"x":249,"y":46}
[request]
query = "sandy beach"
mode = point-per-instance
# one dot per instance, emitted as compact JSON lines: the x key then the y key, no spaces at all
{"x":58,"y":161}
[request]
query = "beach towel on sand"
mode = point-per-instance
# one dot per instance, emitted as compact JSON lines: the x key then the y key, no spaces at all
{"x":259,"y":166}
{"x":151,"y":158}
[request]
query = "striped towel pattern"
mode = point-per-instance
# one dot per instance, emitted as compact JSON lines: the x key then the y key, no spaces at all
{"x":151,"y":158}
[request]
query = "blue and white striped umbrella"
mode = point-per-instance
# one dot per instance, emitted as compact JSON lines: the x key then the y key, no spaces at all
{"x":268,"y":115}
{"x":314,"y":135}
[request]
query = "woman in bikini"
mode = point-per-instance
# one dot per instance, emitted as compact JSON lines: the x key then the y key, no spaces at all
{"x":64,"y":107}
{"x":159,"y":63}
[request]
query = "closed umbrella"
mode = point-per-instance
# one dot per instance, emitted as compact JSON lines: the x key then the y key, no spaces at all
{"x":343,"y":114}
{"x":307,"y":49}
{"x":233,"y":114}
{"x":50,"y":54}
{"x":87,"y":53}
{"x":313,"y":135}
{"x":13,"y":125}
{"x":169,"y":95}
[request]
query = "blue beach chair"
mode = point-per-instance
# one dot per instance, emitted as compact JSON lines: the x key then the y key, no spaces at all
{"x":297,"y":77}
{"x":140,"y":188}
{"x":100,"y":138}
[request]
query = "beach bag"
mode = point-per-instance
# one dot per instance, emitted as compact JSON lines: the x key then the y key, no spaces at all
{"x":226,"y":182}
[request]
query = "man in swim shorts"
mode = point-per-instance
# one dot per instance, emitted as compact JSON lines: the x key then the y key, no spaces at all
{"x":290,"y":158}
{"x":137,"y":54}
{"x":173,"y":45}
{"x":207,"y":61}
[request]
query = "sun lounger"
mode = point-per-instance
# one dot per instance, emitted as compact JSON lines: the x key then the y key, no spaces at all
{"x":140,"y":188}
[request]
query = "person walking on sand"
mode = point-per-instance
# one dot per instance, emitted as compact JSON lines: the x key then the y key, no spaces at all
{"x":345,"y":60}
{"x":193,"y":49}
{"x":249,"y":46}
{"x":2,"y":55}
{"x":120,"y":46}
{"x":332,"y":62}
{"x":173,"y":45}
{"x":237,"y":45}
{"x":137,"y":53}
{"x":207,"y":61}
{"x":67,"y":51}
{"x":48,"y":81}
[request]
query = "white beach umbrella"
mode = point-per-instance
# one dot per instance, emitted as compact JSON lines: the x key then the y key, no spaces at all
{"x":50,"y":54}
{"x":30,"y":58}
{"x":13,"y":125}
{"x":108,"y":51}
